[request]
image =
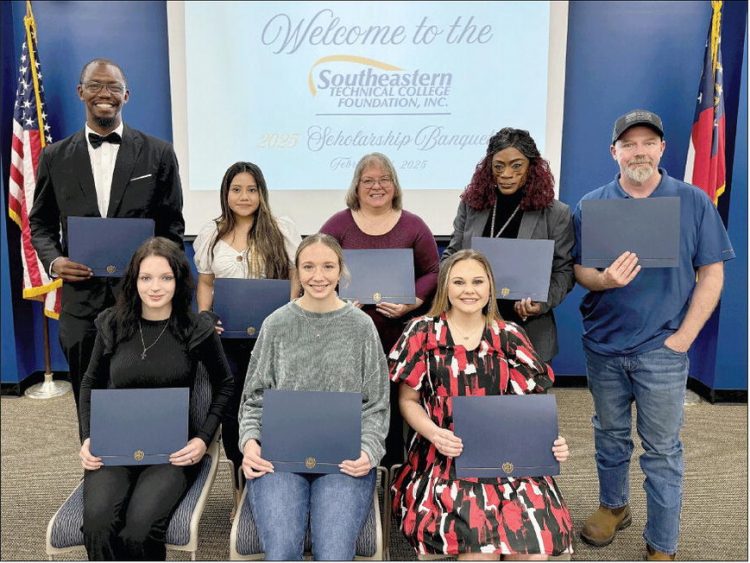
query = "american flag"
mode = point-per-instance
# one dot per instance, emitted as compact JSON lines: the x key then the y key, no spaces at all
{"x":706,"y":163}
{"x":31,"y":133}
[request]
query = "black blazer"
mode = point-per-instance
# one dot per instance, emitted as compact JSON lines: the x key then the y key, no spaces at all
{"x":145,"y":183}
{"x":552,"y":223}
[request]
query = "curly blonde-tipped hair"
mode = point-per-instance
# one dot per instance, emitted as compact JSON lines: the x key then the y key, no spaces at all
{"x":441,"y":304}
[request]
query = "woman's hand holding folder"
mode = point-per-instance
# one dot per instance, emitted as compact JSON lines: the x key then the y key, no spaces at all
{"x":252,"y":464}
{"x":560,"y":449}
{"x":356,"y":467}
{"x":89,"y":461}
{"x":191,"y":454}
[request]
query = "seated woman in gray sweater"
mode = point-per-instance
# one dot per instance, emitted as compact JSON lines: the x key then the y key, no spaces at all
{"x":315,"y":343}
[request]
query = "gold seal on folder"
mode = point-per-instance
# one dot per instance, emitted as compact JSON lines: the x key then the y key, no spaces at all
{"x":310,"y":462}
{"x":138,"y":455}
{"x":250,"y":330}
{"x":111,"y":269}
{"x":505,"y":291}
{"x":377,"y":297}
{"x":507,"y":467}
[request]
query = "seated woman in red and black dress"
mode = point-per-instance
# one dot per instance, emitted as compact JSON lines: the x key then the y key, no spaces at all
{"x":461,"y":347}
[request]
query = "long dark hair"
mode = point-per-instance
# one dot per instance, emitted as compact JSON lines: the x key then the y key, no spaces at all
{"x":267,"y":252}
{"x":128,"y":307}
{"x":539,"y":189}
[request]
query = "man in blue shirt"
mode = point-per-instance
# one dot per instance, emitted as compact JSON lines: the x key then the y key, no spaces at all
{"x":638,"y":326}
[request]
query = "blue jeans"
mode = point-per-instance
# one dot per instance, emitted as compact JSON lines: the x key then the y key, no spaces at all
{"x":656,"y":381}
{"x":336,"y":504}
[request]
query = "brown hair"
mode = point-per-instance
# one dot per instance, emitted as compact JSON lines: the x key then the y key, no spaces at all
{"x":377,"y":159}
{"x":267,"y":254}
{"x":441,"y":304}
{"x":330,"y":242}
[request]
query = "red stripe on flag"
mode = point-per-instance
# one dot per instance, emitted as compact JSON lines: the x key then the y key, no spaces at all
{"x":701,"y":137}
{"x":36,"y":148}
{"x":17,"y":145}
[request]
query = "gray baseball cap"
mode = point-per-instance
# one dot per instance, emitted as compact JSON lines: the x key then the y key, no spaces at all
{"x":637,"y":117}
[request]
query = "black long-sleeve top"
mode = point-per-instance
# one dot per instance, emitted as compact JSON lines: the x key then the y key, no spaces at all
{"x":170,"y":362}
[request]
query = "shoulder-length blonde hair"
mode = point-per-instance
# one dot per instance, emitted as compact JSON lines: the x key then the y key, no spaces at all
{"x":441,"y":304}
{"x":377,"y":159}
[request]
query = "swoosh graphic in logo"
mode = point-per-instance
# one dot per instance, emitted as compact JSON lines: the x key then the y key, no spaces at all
{"x":346,"y":59}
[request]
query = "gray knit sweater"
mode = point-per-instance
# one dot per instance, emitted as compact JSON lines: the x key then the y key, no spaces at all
{"x":347,"y":356}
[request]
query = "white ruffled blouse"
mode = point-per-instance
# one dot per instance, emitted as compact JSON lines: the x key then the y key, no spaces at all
{"x":230,"y":263}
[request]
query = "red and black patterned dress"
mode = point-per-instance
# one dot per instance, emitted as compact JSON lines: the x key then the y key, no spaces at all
{"x":440,"y":514}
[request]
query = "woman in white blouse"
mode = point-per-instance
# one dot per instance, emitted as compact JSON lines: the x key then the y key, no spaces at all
{"x":246,"y":241}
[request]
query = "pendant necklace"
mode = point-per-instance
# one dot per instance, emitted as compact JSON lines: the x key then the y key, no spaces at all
{"x":492,"y":224}
{"x":316,"y":331}
{"x":460,"y":332}
{"x":146,"y":348}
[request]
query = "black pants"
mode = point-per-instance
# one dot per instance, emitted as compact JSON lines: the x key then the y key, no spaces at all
{"x":77,"y":337}
{"x":238,"y":353}
{"x":126,"y":510}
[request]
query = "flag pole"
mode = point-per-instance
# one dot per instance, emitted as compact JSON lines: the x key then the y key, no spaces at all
{"x":49,"y":388}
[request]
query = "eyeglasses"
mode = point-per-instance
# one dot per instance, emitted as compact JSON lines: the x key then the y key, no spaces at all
{"x":96,"y":87}
{"x":370,"y":183}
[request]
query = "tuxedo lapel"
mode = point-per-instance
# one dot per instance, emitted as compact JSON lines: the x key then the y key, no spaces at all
{"x":82,"y":170}
{"x":127,"y":156}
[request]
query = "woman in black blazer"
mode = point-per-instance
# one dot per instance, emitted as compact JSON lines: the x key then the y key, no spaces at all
{"x":511,"y":195}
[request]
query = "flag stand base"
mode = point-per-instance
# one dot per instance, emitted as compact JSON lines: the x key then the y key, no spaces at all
{"x":48,"y":389}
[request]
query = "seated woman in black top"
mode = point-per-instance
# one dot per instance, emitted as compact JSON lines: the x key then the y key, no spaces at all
{"x":150,"y":338}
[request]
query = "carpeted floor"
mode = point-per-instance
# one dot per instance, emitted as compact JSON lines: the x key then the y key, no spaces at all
{"x":40,"y":468}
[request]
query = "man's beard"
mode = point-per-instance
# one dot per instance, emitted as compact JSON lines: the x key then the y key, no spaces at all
{"x":106,"y":122}
{"x":640,"y":173}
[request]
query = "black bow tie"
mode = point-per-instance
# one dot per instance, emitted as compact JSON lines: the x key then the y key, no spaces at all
{"x":97,"y":140}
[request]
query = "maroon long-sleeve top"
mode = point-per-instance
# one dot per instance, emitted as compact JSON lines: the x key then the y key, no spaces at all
{"x":409,"y":232}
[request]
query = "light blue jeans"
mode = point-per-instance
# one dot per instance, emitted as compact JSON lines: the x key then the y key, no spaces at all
{"x":656,"y":381}
{"x":336,"y":505}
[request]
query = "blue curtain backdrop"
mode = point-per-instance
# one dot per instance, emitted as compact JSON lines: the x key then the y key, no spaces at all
{"x":620,"y":55}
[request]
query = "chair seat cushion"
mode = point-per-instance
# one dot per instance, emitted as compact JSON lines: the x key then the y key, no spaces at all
{"x":66,"y":529}
{"x":248,"y":540}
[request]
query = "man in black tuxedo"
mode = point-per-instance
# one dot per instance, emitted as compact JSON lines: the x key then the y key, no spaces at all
{"x":105,"y":170}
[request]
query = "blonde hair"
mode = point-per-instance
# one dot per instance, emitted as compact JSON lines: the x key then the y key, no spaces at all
{"x":377,"y":159}
{"x":330,"y":242}
{"x":441,"y":303}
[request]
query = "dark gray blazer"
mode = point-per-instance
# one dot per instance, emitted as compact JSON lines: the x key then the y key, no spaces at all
{"x":553,"y":223}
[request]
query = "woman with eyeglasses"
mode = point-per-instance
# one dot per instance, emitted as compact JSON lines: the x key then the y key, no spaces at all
{"x":512,"y":195}
{"x":374,"y":219}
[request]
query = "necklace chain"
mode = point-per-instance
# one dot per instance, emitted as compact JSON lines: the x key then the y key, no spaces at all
{"x":317,"y":332}
{"x":492,"y":225}
{"x":143,"y":343}
{"x":460,"y":332}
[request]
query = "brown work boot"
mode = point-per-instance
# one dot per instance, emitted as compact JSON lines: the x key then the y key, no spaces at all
{"x":600,"y":528}
{"x":656,"y":555}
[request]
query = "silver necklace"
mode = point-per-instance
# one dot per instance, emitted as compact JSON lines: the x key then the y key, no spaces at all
{"x":461,"y":333}
{"x":492,"y":225}
{"x":317,"y":331}
{"x":146,"y":348}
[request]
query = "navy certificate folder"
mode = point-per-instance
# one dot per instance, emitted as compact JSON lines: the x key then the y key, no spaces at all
{"x":310,"y":431}
{"x":522,"y":267}
{"x":243,"y":305}
{"x":650,"y":227}
{"x":138,"y":426}
{"x":105,"y":244}
{"x":380,"y":275}
{"x":506,"y":435}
